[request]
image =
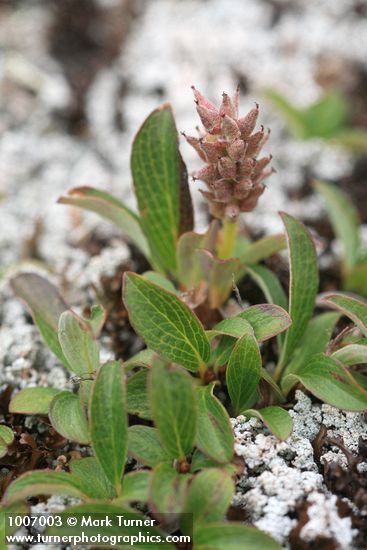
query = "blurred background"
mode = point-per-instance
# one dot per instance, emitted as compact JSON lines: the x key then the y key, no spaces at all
{"x":77,"y":78}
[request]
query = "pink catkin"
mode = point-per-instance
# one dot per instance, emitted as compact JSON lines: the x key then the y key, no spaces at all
{"x":233,"y":173}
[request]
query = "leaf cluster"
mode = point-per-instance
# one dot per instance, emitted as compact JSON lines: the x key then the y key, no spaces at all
{"x":169,"y":406}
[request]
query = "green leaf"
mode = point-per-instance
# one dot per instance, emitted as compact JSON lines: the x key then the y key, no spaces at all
{"x":5,"y":529}
{"x":234,"y":326}
{"x":355,"y":354}
{"x":78,"y":344}
{"x":6,"y":434}
{"x":269,"y":285}
{"x":156,"y":168}
{"x":261,"y":250}
{"x":167,"y":325}
{"x":331,"y":382}
{"x":323,"y":119}
{"x":33,"y":400}
{"x":278,"y":420}
{"x":243,"y":372}
{"x":326,"y":117}
{"x":135,"y":486}
{"x":344,"y":219}
{"x":97,"y":319}
{"x":201,"y":462}
{"x":232,"y":536}
{"x":108,"y":421}
{"x":361,"y":379}
{"x":356,"y":279}
{"x":176,"y":421}
{"x":68,"y":418}
{"x":167,"y":492}
{"x":268,"y":379}
{"x":267,"y":320}
{"x":221,"y":353}
{"x":145,"y":446}
{"x":110,"y":208}
{"x":85,"y":390}
{"x":210,"y":494}
{"x":303,"y":282}
{"x":214,"y":435}
{"x":46,"y":306}
{"x":6,"y":439}
{"x":159,"y":280}
{"x":45,"y":482}
{"x":90,"y":474}
{"x":353,"y":338}
{"x":137,"y":395}
{"x":353,"y":308}
{"x":315,"y":340}
{"x":134,"y":526}
{"x":271,"y":288}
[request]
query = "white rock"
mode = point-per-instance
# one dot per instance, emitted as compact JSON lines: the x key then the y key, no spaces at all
{"x":281,"y":475}
{"x":324,"y":521}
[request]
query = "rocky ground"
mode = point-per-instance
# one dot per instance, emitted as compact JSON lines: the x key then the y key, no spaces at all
{"x":77,"y":78}
{"x":288,"y":488}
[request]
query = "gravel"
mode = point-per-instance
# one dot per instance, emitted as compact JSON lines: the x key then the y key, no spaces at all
{"x":281,"y":475}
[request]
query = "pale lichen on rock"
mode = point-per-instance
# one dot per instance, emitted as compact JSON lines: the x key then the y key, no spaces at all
{"x":280,"y":476}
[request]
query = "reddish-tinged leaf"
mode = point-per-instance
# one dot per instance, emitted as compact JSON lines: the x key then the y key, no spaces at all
{"x":243,"y":372}
{"x":167,"y":325}
{"x":158,"y":180}
{"x":46,"y":306}
{"x":278,"y":420}
{"x":219,"y":274}
{"x":331,"y":382}
{"x":303,"y":283}
{"x":111,"y":208}
{"x":214,"y":436}
{"x":351,"y":306}
{"x":177,"y":420}
{"x":108,"y":421}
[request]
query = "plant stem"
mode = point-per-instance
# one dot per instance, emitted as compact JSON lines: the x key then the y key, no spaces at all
{"x":278,"y":372}
{"x":226,"y":248}
{"x":279,"y":369}
{"x":202,"y":371}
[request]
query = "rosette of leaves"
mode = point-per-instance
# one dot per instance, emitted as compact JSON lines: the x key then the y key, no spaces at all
{"x":186,"y":441}
{"x":172,"y":331}
{"x":183,"y":487}
{"x":159,"y":311}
